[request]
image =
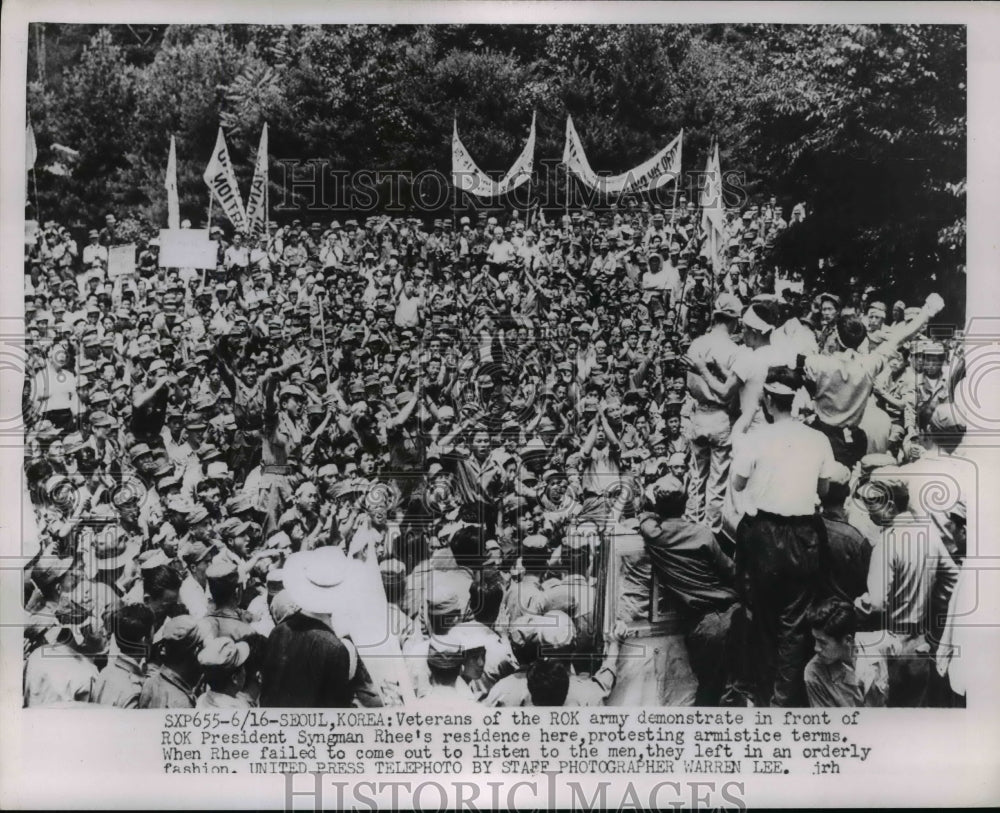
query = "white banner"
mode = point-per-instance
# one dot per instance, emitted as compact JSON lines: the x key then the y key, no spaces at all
{"x":662,"y":168}
{"x":221,"y":179}
{"x":30,"y":150}
{"x":173,"y":204}
{"x":468,"y":177}
{"x":713,"y":212}
{"x":257,"y":199}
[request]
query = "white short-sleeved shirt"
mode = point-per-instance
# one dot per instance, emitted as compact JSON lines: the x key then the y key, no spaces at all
{"x":783,"y":463}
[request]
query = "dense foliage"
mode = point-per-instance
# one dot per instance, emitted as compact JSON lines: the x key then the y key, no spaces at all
{"x":865,"y":123}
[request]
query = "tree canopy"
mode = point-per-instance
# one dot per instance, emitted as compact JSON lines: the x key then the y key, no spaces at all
{"x":865,"y":123}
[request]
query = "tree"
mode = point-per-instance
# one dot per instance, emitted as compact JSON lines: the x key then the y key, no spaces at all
{"x":868,"y":124}
{"x":96,"y":98}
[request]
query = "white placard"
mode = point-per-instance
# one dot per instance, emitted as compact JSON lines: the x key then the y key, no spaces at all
{"x":187,"y":248}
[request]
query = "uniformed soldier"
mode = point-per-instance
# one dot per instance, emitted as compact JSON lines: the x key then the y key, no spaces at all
{"x":172,"y":686}
{"x":120,"y":682}
{"x":223,"y":664}
{"x":225,"y":618}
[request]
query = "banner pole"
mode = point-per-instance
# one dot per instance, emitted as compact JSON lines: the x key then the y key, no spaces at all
{"x":527,"y":215}
{"x":567,"y":190}
{"x":322,"y":328}
{"x":208,"y":225}
{"x":34,"y":183}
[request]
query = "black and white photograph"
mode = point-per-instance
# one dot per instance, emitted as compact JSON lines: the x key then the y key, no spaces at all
{"x":462,"y":367}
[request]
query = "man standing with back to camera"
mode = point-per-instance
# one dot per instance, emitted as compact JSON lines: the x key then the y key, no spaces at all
{"x":782,"y":466}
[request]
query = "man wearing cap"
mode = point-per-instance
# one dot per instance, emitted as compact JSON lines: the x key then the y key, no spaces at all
{"x":895,"y":387}
{"x":782,"y":466}
{"x":222,"y":661}
{"x":930,"y":388}
{"x":63,"y":671}
{"x":52,"y":577}
{"x":108,"y":236}
{"x":149,"y":404}
{"x":172,"y":686}
{"x":454,"y":660}
{"x":848,"y":551}
{"x":95,"y":253}
{"x":939,"y":468}
{"x":875,"y":321}
{"x":225,"y":616}
{"x":197,"y":556}
{"x":294,"y":255}
{"x":712,"y":355}
{"x":283,"y":436}
{"x":120,"y":682}
{"x":656,"y":230}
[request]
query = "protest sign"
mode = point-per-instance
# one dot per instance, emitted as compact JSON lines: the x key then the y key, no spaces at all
{"x":121,"y":261}
{"x":187,"y":248}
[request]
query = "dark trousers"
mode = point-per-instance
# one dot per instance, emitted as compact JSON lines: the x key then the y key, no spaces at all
{"x":711,"y":651}
{"x":62,"y":419}
{"x":910,"y":672}
{"x":778,"y":567}
{"x":849,"y":445}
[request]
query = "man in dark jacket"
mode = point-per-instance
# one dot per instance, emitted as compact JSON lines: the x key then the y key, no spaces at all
{"x":692,"y":569}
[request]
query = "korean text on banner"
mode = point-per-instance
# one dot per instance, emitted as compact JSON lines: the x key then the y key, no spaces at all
{"x":467,"y":176}
{"x":662,"y":168}
{"x":257,"y":199}
{"x":221,"y":179}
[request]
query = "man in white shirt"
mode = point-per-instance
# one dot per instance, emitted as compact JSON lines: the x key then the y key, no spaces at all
{"x":501,"y":250}
{"x":237,"y":256}
{"x":784,"y":466}
{"x":659,"y":278}
{"x":94,"y":251}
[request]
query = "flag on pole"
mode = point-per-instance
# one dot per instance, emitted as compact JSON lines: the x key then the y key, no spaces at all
{"x":170,"y":182}
{"x":713,"y":219}
{"x":257,"y":199}
{"x":30,"y":149}
{"x":221,"y":180}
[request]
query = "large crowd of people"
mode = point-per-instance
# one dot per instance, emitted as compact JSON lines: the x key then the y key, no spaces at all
{"x":430,"y":437}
